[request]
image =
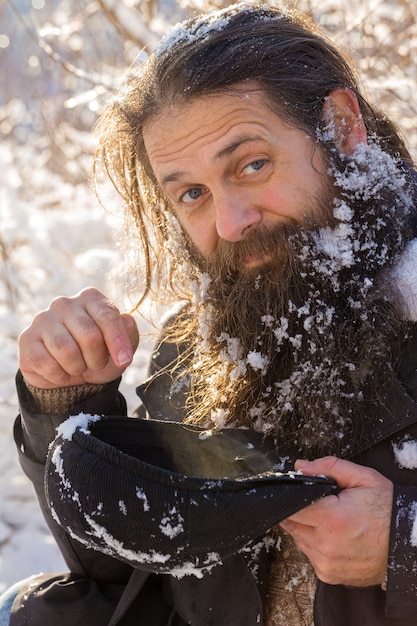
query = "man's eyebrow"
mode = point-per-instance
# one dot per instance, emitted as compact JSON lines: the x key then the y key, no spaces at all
{"x":234,"y":145}
{"x":173,"y":177}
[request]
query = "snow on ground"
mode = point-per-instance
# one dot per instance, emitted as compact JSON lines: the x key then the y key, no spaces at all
{"x":47,"y":252}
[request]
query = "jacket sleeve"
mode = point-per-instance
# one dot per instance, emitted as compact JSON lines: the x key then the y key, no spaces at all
{"x":401,"y":598}
{"x":33,"y":433}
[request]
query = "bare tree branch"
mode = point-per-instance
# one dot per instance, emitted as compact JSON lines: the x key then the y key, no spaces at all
{"x":136,"y":24}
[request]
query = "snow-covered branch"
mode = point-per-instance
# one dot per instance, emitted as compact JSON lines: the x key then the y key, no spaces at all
{"x":146,"y":31}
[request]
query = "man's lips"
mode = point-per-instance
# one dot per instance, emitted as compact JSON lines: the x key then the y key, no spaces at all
{"x":255,"y":260}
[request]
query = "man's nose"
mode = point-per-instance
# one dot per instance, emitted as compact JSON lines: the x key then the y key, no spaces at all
{"x":236,"y":217}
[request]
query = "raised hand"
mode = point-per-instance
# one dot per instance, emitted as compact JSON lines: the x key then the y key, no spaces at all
{"x":77,"y":340}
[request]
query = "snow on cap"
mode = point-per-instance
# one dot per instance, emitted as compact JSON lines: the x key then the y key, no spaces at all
{"x":70,"y":425}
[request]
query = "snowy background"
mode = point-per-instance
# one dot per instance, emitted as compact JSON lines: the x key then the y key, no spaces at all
{"x":58,"y":59}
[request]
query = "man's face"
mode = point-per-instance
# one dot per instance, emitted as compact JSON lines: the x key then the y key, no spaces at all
{"x":289,"y":330}
{"x":230,"y":166}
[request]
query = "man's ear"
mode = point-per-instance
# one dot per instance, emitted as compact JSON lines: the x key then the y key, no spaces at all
{"x":341,"y":111}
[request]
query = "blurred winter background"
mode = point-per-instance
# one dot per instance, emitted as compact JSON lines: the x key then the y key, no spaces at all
{"x":59,"y":59}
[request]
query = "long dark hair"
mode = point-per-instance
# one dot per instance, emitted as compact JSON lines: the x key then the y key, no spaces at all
{"x":291,"y":60}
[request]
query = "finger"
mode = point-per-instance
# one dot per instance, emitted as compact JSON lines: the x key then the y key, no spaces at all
{"x":63,"y":346}
{"x":346,"y":473}
{"x":99,"y":328}
{"x":44,"y":344}
{"x":313,"y":515}
{"x":39,"y":367}
{"x":70,"y":334}
{"x":113,"y":327}
{"x":81,"y":344}
{"x":131,"y":329}
{"x":304,"y":536}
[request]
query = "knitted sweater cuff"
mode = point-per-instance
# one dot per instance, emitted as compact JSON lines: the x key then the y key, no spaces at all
{"x":60,"y":400}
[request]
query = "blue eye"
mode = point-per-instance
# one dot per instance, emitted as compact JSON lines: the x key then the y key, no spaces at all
{"x":255,"y":166}
{"x":192,"y":194}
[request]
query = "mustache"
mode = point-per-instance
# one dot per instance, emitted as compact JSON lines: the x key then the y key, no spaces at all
{"x":272,"y":243}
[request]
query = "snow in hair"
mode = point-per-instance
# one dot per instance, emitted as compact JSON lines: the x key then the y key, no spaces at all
{"x":200,"y":29}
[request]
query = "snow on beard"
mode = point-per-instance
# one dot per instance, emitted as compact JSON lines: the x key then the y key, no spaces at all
{"x":296,"y":349}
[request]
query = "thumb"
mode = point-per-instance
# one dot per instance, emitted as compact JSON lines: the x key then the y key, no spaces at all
{"x":345,"y":473}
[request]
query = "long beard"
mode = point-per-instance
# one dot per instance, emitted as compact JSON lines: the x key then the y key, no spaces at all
{"x":303,"y":346}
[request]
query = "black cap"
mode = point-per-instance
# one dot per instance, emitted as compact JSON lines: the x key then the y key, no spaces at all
{"x":168,"y":497}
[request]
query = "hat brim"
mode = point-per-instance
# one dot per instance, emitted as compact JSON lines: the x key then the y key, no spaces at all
{"x":168,"y":497}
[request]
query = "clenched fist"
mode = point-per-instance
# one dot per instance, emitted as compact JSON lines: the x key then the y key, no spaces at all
{"x":77,"y":340}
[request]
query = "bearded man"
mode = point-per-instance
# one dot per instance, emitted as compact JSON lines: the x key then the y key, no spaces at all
{"x":271,"y":199}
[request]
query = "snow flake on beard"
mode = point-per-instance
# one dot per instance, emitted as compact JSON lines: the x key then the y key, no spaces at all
{"x":346,"y":258}
{"x":356,"y":239}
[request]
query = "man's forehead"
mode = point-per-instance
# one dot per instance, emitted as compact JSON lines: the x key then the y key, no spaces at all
{"x":241,"y":91}
{"x":244,"y":114}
